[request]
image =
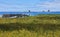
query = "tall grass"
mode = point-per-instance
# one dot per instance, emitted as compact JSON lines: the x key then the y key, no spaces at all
{"x":34,"y":26}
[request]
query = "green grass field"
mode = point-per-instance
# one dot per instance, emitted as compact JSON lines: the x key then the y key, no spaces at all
{"x":32,"y":26}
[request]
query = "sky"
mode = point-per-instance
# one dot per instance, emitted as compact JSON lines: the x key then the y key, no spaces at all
{"x":25,"y":5}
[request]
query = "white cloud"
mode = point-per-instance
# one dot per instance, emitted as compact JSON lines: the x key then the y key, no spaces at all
{"x":55,"y":5}
{"x":5,"y":7}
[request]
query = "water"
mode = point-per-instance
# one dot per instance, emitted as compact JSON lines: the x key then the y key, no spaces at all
{"x":29,"y":13}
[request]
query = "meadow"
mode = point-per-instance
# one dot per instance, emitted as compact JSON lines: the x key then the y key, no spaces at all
{"x":32,"y":26}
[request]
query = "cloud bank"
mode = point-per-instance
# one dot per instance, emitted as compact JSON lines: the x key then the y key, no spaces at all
{"x":35,"y":5}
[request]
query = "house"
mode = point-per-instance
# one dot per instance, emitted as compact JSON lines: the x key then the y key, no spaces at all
{"x":14,"y":15}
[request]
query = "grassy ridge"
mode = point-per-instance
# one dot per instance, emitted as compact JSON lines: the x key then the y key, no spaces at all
{"x":34,"y":26}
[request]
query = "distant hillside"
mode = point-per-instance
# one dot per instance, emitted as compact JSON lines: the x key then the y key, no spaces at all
{"x":14,"y":15}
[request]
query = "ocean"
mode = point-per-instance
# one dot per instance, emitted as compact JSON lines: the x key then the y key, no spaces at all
{"x":29,"y":13}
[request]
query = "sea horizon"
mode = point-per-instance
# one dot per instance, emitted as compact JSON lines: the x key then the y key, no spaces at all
{"x":30,"y":13}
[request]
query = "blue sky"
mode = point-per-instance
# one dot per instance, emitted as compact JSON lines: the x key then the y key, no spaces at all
{"x":25,"y":5}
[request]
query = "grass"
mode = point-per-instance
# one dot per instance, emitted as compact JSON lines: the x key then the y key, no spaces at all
{"x":33,"y":26}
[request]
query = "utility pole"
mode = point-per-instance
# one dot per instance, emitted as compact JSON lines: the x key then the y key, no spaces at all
{"x":29,"y":11}
{"x":48,"y":10}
